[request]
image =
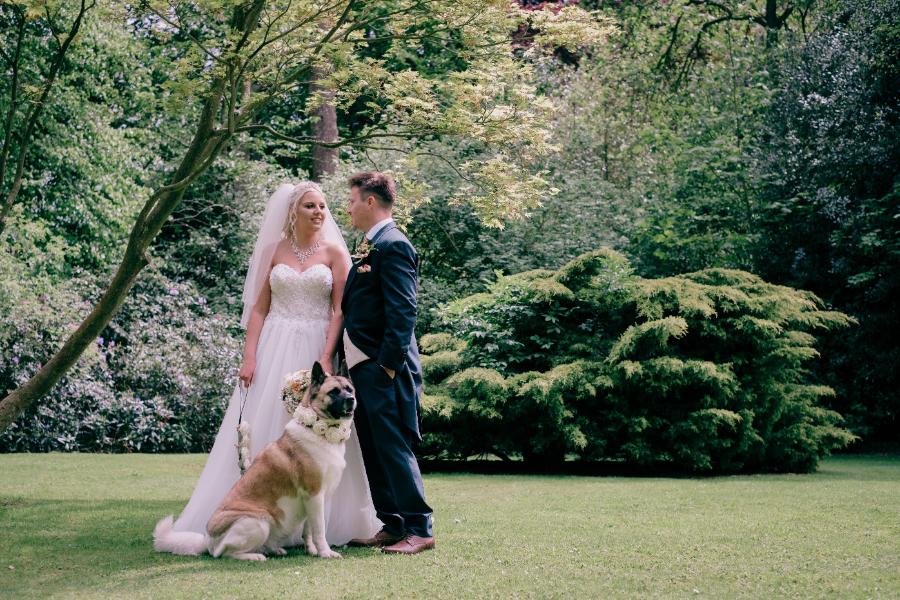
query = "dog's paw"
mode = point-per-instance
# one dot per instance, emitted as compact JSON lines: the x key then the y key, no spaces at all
{"x":279,"y":552}
{"x":248,"y":556}
{"x":311,"y":549}
{"x":329,"y":553}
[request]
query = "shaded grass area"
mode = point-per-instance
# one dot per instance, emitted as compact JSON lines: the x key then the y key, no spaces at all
{"x":79,"y":526}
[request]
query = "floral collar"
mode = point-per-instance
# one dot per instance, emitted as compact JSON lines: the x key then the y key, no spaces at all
{"x":333,"y":433}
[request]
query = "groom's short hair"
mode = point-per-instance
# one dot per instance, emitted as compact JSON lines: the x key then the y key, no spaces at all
{"x":380,"y":185}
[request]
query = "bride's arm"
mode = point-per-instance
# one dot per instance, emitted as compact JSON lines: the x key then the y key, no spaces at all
{"x":340,"y":264}
{"x":254,"y":327}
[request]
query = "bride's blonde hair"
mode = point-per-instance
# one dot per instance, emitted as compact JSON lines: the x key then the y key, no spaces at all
{"x":300,"y":190}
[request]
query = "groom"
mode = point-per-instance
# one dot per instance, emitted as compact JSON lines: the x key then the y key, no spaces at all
{"x":379,"y":306}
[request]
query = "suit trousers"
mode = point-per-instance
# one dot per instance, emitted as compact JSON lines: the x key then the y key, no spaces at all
{"x":391,"y":466}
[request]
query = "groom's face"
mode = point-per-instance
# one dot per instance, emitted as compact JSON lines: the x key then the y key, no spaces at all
{"x":359,"y":210}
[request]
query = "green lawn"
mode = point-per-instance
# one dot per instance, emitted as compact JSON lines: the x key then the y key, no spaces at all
{"x":79,"y":526}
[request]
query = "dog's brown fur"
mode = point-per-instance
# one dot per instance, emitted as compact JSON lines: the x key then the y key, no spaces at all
{"x":285,"y":489}
{"x":281,"y":469}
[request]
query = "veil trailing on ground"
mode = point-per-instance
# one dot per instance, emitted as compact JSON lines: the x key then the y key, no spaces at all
{"x":278,"y":207}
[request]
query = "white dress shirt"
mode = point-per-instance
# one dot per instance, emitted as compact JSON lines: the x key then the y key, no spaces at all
{"x":370,"y":235}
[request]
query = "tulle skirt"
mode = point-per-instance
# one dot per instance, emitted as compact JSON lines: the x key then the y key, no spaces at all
{"x":285,"y":345}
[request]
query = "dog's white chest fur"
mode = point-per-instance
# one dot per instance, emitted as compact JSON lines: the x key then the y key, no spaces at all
{"x":329,"y":458}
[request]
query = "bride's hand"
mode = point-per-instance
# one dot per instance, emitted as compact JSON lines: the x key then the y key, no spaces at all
{"x":246,"y":372}
{"x":326,"y":361}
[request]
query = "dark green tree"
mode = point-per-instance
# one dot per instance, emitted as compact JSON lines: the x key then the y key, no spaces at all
{"x":705,"y":371}
{"x":829,"y":157}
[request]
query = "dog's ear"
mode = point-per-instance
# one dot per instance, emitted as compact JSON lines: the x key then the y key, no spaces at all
{"x":318,"y":374}
{"x":343,"y":372}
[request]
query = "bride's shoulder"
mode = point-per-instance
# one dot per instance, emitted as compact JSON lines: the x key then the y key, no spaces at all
{"x":333,"y":249}
{"x":282,"y":248}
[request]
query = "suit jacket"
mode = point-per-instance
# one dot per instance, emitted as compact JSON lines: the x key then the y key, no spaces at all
{"x":379,"y":306}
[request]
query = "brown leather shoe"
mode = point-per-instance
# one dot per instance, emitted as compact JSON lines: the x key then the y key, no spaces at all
{"x":382,"y":538}
{"x":411,"y":544}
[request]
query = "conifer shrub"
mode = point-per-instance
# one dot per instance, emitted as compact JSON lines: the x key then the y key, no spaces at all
{"x":705,"y":371}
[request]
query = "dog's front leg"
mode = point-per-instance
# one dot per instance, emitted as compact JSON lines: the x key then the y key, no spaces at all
{"x":308,"y":538}
{"x":315,"y":528}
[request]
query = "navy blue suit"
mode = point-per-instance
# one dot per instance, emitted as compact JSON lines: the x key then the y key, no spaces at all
{"x":379,"y":306}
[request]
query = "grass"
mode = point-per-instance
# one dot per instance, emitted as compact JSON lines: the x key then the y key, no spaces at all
{"x":78,"y":526}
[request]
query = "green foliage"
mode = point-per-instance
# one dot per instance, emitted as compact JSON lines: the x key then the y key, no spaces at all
{"x":120,"y":118}
{"x":153,"y":382}
{"x":829,"y":158}
{"x":85,"y":174}
{"x":758,"y":149}
{"x":156,"y":378}
{"x":707,"y":370}
{"x":778,"y":158}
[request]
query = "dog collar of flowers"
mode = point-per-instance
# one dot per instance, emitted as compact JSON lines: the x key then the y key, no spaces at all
{"x":334,"y":434}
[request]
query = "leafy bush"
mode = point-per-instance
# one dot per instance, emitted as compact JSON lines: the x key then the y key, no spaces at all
{"x":704,"y":370}
{"x":156,"y":382}
{"x":829,"y":158}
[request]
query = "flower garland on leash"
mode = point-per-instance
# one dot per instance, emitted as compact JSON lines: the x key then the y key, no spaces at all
{"x":292,"y":391}
{"x":243,"y":434}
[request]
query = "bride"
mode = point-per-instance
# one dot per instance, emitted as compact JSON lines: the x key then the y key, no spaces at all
{"x":292,"y":312}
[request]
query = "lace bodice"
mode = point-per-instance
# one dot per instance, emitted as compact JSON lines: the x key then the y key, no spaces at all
{"x":300,"y":296}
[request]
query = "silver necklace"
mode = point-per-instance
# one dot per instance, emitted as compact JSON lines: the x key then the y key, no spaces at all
{"x":303,"y":255}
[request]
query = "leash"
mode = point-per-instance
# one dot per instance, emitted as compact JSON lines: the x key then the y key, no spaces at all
{"x":245,"y":390}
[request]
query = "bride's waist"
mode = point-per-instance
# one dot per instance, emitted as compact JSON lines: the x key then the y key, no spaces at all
{"x":284,"y":318}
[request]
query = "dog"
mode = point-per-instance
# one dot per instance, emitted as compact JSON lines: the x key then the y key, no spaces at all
{"x":285,"y":489}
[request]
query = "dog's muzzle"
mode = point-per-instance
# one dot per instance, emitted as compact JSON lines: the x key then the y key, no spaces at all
{"x":342,"y":406}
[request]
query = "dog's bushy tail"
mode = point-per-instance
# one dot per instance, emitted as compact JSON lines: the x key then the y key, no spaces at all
{"x":187,"y":543}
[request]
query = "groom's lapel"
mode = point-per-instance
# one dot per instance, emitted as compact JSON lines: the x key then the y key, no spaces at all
{"x":383,"y":230}
{"x":351,"y":277}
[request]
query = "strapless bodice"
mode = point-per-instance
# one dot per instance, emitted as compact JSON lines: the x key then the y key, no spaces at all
{"x":300,"y":296}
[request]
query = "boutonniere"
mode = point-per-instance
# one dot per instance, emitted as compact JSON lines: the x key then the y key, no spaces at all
{"x":362,"y":251}
{"x":363,"y":268}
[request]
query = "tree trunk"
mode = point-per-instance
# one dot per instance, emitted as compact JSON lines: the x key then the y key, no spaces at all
{"x":324,"y":158}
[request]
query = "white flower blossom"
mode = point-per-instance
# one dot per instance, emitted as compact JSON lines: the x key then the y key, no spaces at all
{"x":305,"y":415}
{"x":338,"y":433}
{"x":244,"y":459}
{"x":334,"y":435}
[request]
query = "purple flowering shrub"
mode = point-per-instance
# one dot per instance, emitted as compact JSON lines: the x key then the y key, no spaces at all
{"x":156,"y":381}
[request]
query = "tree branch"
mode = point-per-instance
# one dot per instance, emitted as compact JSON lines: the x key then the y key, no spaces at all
{"x":341,"y":20}
{"x":362,"y":24}
{"x":50,"y":24}
{"x":37,"y":108}
{"x":309,"y":140}
{"x":186,"y":33}
{"x":13,"y":101}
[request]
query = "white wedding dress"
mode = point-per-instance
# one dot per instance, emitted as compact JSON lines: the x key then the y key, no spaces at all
{"x":292,"y":338}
